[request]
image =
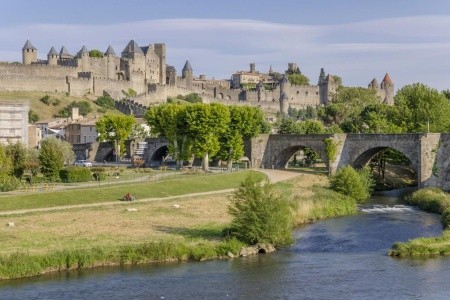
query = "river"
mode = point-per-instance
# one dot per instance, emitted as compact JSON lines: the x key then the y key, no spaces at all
{"x":341,"y":258}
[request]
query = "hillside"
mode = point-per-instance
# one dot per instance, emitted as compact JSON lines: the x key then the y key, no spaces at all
{"x":46,"y":112}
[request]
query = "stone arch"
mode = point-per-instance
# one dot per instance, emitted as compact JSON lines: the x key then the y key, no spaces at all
{"x":282,"y":157}
{"x":220,"y":96}
{"x":157,"y":156}
{"x":367,"y":154}
{"x":228,"y":97}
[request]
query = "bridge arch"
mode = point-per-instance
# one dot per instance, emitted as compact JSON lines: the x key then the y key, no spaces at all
{"x":156,"y":158}
{"x":286,"y":154}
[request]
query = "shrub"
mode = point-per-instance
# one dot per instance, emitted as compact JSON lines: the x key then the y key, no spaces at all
{"x":446,"y":218}
{"x":8,"y":183}
{"x":348,"y":181}
{"x":430,"y":199}
{"x":261,"y":214}
{"x":105,"y":102}
{"x":45,"y":100}
{"x":75,"y":174}
{"x":99,"y":173}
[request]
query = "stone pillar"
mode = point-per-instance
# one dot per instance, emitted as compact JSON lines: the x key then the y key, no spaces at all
{"x":429,"y":146}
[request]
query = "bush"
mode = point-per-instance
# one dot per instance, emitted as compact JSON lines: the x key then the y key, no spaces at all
{"x":8,"y":183}
{"x":99,"y":173}
{"x":105,"y":102}
{"x":261,"y":214}
{"x":430,"y":199}
{"x":357,"y":185}
{"x":75,"y":174}
{"x":446,"y":218}
{"x":45,"y":100}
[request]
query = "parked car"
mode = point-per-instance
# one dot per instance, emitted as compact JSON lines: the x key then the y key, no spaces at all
{"x":83,"y":163}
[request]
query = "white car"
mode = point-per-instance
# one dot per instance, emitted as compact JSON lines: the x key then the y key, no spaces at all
{"x":83,"y":163}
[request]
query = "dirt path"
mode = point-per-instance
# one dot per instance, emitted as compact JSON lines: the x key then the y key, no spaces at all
{"x":273,"y":175}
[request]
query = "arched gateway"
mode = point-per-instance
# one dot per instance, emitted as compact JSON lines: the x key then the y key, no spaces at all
{"x":429,"y":153}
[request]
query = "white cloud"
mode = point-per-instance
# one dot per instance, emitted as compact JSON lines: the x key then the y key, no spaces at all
{"x":411,"y":48}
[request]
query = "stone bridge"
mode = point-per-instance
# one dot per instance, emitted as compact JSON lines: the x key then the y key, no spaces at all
{"x":429,"y":153}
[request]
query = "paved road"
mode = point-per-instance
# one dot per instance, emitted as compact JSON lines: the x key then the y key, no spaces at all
{"x":273,"y":175}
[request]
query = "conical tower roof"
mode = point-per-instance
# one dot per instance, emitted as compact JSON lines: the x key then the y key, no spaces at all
{"x":387,"y":79}
{"x":53,"y":51}
{"x":132,"y":47}
{"x":374,"y":83}
{"x":284,"y":80}
{"x":84,"y":50}
{"x":187,"y":67}
{"x":64,"y":51}
{"x":110,"y":51}
{"x":28,"y":45}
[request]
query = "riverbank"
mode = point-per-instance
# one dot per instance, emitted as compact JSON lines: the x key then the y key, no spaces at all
{"x":432,"y":200}
{"x":187,"y":228}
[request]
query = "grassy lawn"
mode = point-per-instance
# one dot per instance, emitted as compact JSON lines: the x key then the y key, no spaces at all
{"x":186,"y":185}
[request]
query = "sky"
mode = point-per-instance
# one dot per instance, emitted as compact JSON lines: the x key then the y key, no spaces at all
{"x":356,"y":39}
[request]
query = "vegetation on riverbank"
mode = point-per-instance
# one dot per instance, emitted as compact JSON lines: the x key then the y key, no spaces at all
{"x":24,"y":265}
{"x":188,"y":228}
{"x":432,"y":200}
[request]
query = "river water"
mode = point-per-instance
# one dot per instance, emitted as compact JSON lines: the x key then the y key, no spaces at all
{"x":341,"y":258}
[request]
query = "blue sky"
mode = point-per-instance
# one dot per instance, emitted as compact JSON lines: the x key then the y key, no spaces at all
{"x":358,"y":40}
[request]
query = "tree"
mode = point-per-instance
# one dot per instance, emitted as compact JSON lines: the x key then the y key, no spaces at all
{"x":350,"y":182}
{"x":106,"y":102}
{"x":193,"y":98}
{"x":17,"y":153}
{"x":31,"y":163}
{"x":347,"y":106}
{"x":95,"y":53}
{"x":422,"y":109}
{"x":298,"y":79}
{"x":52,"y":156}
{"x":260,"y":214}
{"x":115,"y":129}
{"x":167,"y":121}
{"x":245,"y":123}
{"x":33,"y":117}
{"x":379,"y":118}
{"x":83,"y":106}
{"x":205,"y":123}
{"x":6,"y":164}
{"x":338,"y":80}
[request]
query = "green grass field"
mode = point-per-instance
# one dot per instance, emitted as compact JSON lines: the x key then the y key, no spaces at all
{"x":88,"y":195}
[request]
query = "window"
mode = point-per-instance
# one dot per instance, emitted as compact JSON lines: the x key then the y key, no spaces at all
{"x":78,"y":138}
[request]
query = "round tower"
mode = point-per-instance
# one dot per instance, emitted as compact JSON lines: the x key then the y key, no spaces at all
{"x":52,"y":57}
{"x":284,"y":104}
{"x":187,"y":74}
{"x":260,"y":90}
{"x":111,"y":62}
{"x":29,"y":53}
{"x":83,"y":55}
{"x":373,"y":85}
{"x":387,"y":86}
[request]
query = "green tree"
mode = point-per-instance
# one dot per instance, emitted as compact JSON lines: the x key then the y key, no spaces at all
{"x":298,"y":79}
{"x":350,"y":182}
{"x":193,"y":98}
{"x":106,"y":102}
{"x":421,"y":109}
{"x":52,"y":156}
{"x":6,"y":165}
{"x":17,"y":153}
{"x":32,"y":164}
{"x":33,"y":117}
{"x":205,"y":123}
{"x":260,"y":214}
{"x":347,"y":106}
{"x":84,"y":108}
{"x":245,"y":123}
{"x":95,"y":53}
{"x":338,"y":80}
{"x":167,"y":120}
{"x":115,"y":129}
{"x":379,"y":118}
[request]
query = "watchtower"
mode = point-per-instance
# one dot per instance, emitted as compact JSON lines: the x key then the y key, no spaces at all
{"x":29,"y":53}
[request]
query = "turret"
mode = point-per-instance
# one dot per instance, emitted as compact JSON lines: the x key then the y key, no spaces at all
{"x":284,"y":104}
{"x":252,"y":68}
{"x":64,"y":53}
{"x":187,"y":73}
{"x":373,"y":85}
{"x":270,"y":70}
{"x":387,"y":89}
{"x":83,"y":55}
{"x":29,"y":53}
{"x":160,"y":50}
{"x":132,"y":51}
{"x":327,"y":89}
{"x":52,"y":57}
{"x":111,"y":62}
{"x":283,"y":84}
{"x":260,"y":90}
